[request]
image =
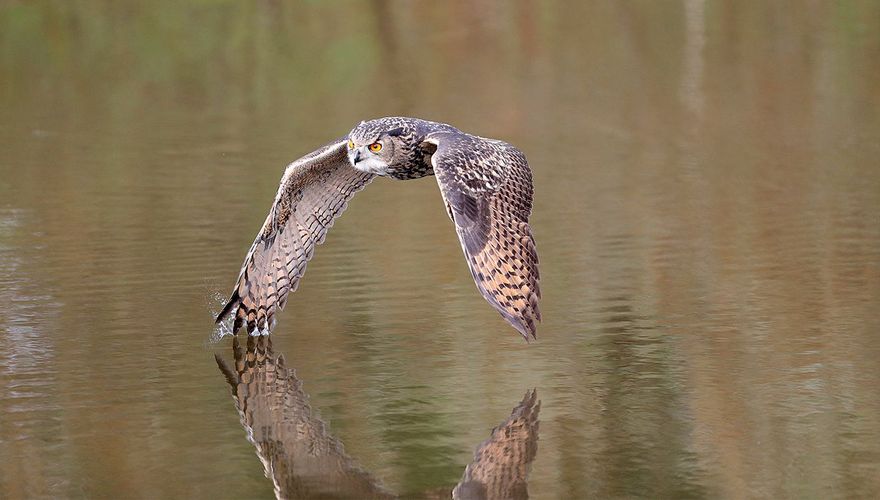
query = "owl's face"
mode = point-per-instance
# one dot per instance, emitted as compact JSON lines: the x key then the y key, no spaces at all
{"x":374,"y":150}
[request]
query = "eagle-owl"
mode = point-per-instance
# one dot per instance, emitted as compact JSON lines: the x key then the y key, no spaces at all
{"x":486,"y":185}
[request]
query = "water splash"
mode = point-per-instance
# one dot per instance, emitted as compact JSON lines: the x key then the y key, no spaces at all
{"x":214,"y":304}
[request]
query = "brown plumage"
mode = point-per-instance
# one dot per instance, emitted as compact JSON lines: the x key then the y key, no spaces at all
{"x":486,"y":185}
{"x":314,"y":191}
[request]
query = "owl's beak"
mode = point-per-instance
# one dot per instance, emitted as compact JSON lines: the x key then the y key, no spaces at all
{"x":357,"y":157}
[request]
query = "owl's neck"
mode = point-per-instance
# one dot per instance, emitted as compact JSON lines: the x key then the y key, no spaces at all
{"x":415,"y":158}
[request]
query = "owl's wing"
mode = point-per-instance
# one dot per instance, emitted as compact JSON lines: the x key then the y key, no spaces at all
{"x":314,"y":191}
{"x":501,"y":464}
{"x":487,"y":187}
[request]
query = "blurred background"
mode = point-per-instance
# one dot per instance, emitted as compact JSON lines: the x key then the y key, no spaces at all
{"x":707,"y":213}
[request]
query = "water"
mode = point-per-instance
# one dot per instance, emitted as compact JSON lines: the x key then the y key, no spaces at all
{"x":707,"y":214}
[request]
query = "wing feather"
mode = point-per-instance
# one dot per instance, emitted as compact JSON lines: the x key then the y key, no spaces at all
{"x":487,"y":187}
{"x":314,"y":191}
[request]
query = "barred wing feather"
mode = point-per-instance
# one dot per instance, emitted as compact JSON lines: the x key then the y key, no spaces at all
{"x":314,"y":191}
{"x":487,"y":187}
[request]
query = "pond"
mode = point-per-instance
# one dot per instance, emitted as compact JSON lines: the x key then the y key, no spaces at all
{"x":707,"y":214}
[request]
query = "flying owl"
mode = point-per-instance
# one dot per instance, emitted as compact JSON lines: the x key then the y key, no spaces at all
{"x":486,"y":185}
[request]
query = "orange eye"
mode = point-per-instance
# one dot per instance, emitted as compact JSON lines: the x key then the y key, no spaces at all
{"x":375,"y":147}
{"x":350,"y":144}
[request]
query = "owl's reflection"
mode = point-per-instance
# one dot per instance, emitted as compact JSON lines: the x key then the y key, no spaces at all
{"x":303,"y":460}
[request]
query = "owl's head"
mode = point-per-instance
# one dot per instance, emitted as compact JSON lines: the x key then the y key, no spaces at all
{"x":378,"y":146}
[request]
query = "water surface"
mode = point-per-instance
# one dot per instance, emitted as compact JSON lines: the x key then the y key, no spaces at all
{"x":707,"y":214}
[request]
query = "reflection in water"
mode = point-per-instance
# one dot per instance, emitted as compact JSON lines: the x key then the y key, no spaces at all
{"x":298,"y":454}
{"x":303,"y":459}
{"x":501,"y":463}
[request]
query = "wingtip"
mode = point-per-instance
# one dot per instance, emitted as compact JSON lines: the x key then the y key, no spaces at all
{"x":528,"y":326}
{"x":528,"y":330}
{"x":230,"y":304}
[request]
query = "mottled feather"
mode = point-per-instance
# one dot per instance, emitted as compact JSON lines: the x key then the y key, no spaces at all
{"x":314,"y":191}
{"x":487,"y":186}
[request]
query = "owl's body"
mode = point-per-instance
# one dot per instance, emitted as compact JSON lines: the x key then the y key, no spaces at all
{"x":486,"y":185}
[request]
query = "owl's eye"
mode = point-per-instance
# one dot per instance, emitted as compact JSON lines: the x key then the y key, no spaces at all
{"x":375,"y":147}
{"x":350,"y":144}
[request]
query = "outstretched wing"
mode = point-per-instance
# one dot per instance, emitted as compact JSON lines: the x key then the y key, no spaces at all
{"x":314,"y":191}
{"x":487,"y":186}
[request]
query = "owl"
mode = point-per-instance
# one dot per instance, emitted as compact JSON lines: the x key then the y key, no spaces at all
{"x":486,"y":186}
